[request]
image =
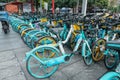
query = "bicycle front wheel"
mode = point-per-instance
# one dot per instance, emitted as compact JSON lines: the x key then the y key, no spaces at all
{"x":111,"y":59}
{"x":98,"y":49}
{"x":39,"y":70}
{"x":116,"y":78}
{"x":87,"y":56}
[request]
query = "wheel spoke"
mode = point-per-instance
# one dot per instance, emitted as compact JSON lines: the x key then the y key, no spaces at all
{"x":38,"y":70}
{"x":35,"y":65}
{"x":97,"y":53}
{"x":44,"y":70}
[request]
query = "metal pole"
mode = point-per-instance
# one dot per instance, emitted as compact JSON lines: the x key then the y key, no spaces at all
{"x":53,"y":6}
{"x":84,"y":7}
{"x":77,"y":6}
{"x":41,"y":6}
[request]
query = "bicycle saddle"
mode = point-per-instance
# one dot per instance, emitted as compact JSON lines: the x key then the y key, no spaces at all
{"x":115,"y":44}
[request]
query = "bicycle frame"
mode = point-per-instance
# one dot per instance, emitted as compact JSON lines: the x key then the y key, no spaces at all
{"x":80,"y":39}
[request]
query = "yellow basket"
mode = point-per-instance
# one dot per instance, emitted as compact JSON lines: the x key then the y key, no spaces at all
{"x":106,"y":14}
{"x":60,"y":21}
{"x":44,"y":20}
{"x":102,"y":21}
{"x":110,"y":16}
{"x":76,"y":27}
{"x":118,"y":25}
{"x":103,"y":26}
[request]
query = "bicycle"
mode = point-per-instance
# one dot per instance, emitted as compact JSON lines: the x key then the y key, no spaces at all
{"x":29,"y":35}
{"x":104,"y":33}
{"x":112,"y":56}
{"x":48,"y":62}
{"x":112,"y":75}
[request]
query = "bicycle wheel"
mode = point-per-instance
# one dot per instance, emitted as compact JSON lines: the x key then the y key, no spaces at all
{"x":98,"y":49}
{"x":111,"y":59}
{"x":29,"y":36}
{"x":25,"y":31}
{"x":39,"y":70}
{"x":116,"y":78}
{"x":110,"y":76}
{"x":45,"y":40}
{"x":36,"y":38}
{"x":87,"y":56}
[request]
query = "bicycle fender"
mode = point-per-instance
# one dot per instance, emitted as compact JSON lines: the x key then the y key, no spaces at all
{"x":110,"y":76}
{"x":37,"y":48}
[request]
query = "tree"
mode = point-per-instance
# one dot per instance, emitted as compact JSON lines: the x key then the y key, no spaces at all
{"x":113,"y":3}
{"x":101,"y":3}
{"x":65,"y":3}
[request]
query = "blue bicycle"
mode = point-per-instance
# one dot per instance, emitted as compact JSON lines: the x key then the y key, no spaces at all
{"x":45,"y":65}
{"x":111,"y":76}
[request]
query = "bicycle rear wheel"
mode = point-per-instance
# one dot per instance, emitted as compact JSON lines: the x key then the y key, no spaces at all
{"x":39,"y":70}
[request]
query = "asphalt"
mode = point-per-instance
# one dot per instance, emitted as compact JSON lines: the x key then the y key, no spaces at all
{"x":13,"y":66}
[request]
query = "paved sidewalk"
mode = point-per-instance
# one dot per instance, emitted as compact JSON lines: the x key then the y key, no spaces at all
{"x":12,"y":67}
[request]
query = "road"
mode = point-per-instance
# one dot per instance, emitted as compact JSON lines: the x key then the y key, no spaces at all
{"x":12,"y":66}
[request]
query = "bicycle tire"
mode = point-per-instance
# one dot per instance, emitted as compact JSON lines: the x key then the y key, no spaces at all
{"x":37,"y":74}
{"x":108,"y":60}
{"x":87,"y":56}
{"x":36,"y":38}
{"x":43,"y":38}
{"x":97,"y":54}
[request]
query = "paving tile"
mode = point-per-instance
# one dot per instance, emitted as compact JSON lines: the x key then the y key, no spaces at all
{"x":90,"y":73}
{"x":16,"y":77}
{"x":9,"y":63}
{"x":59,"y":76}
{"x":11,"y":71}
{"x":20,"y":54}
{"x":73,"y":69}
{"x":6,"y":56}
{"x":74,"y":59}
